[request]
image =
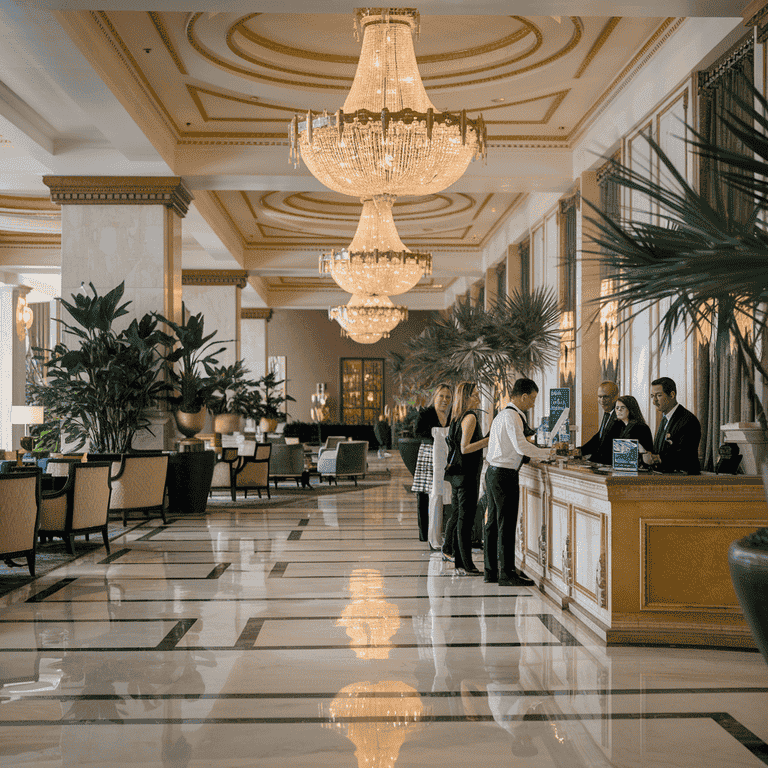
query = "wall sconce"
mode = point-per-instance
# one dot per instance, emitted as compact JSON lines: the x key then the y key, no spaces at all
{"x":24,"y":318}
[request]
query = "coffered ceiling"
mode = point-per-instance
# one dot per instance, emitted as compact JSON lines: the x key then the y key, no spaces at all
{"x":209,"y":95}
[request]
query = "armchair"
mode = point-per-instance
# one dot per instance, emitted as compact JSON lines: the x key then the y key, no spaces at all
{"x":138,"y":484}
{"x":80,"y":507}
{"x":19,"y":515}
{"x":224,"y":471}
{"x":349,"y":459}
{"x":287,"y":463}
{"x":252,"y":472}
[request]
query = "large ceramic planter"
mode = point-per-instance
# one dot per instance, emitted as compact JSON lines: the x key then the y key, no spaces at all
{"x":748,"y":559}
{"x":267,"y":425}
{"x":189,"y":424}
{"x":409,"y":451}
{"x":189,"y":481}
{"x":226,"y":423}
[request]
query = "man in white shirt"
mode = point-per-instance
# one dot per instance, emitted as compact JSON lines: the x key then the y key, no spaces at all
{"x":507,"y":451}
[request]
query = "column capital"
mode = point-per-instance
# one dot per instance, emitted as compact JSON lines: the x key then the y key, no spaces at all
{"x":238,"y":277}
{"x":755,"y":13}
{"x":169,"y":191}
{"x":256,"y":313}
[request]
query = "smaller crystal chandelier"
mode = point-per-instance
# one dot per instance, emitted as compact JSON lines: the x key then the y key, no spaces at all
{"x":368,"y":315}
{"x":376,"y":261}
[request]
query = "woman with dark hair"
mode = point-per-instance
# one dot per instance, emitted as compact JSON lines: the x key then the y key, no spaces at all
{"x":437,"y":414}
{"x":629,"y":414}
{"x":466,"y":486}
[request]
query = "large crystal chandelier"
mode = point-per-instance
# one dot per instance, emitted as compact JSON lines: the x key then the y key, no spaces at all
{"x":376,"y":261}
{"x":388,"y":138}
{"x":368,"y":315}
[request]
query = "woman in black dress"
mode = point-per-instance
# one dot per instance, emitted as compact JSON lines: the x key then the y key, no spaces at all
{"x":465,"y":487}
{"x":437,"y":414}
{"x":629,"y":414}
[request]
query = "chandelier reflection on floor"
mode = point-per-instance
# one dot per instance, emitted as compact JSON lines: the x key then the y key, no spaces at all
{"x":388,"y":138}
{"x":368,"y":315}
{"x":376,"y":261}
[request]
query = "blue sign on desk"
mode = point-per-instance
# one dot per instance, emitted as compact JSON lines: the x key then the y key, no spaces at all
{"x":625,"y":455}
{"x":559,"y":400}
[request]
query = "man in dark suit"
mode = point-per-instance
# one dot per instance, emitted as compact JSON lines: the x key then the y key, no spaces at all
{"x":599,"y":447}
{"x":676,"y":446}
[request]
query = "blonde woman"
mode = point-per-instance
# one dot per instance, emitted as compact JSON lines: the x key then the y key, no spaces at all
{"x":466,"y":486}
{"x":436,"y":414}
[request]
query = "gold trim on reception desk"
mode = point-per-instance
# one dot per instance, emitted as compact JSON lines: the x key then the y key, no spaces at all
{"x":639,"y":559}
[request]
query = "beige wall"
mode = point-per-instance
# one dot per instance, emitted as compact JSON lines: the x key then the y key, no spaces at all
{"x":313,"y":348}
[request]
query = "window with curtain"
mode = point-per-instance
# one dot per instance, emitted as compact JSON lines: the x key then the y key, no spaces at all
{"x":723,"y":395}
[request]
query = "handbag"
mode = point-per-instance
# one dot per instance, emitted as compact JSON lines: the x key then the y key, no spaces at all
{"x":454,"y":465}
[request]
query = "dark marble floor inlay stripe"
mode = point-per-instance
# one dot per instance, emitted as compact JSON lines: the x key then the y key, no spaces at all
{"x":294,"y":535}
{"x":171,"y":640}
{"x":114,"y":556}
{"x":217,"y":571}
{"x":278,"y":569}
{"x":750,"y":740}
{"x":557,"y":629}
{"x":153,"y":533}
{"x":40,"y":596}
{"x":250,"y":633}
{"x":303,"y":522}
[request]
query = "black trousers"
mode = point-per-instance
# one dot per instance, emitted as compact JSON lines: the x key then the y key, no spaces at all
{"x":464,"y":495}
{"x":502,"y":487}
{"x":423,"y":515}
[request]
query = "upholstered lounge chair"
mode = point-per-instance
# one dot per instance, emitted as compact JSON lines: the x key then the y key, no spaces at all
{"x":252,"y":472}
{"x":287,"y":463}
{"x":19,"y":516}
{"x":138,"y":485}
{"x":349,"y":459}
{"x":80,"y":507}
{"x":224,"y":472}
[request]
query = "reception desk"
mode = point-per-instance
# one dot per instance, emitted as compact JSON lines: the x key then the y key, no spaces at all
{"x":639,"y":558}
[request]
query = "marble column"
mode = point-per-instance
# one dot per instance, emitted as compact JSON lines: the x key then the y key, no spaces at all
{"x":12,"y":366}
{"x":587,"y":320}
{"x":124,"y":229}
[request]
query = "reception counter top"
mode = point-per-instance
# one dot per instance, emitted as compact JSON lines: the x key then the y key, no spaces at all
{"x":639,"y":558}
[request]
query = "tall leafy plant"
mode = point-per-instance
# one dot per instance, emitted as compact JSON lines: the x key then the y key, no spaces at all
{"x":703,"y":256}
{"x":101,"y":388}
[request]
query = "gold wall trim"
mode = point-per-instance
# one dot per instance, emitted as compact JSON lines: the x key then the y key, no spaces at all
{"x":46,"y":240}
{"x":220,"y":277}
{"x":255,"y":313}
{"x":169,"y":191}
{"x":665,"y":30}
{"x":167,"y":42}
{"x":612,"y":23}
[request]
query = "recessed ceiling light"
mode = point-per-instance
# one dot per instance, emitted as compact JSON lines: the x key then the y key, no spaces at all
{"x":499,"y":100}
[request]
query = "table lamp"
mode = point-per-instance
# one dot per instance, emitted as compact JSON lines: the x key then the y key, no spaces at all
{"x":26,"y":415}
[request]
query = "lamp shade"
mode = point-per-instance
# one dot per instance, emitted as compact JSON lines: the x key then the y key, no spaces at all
{"x":27,"y":414}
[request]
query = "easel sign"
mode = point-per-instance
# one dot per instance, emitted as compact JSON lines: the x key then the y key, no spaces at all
{"x":559,"y":403}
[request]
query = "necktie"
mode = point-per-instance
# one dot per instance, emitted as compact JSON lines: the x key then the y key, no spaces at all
{"x":604,"y":423}
{"x":659,"y":440}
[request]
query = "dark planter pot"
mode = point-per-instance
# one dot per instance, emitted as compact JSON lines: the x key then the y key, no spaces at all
{"x":189,"y":481}
{"x":748,"y":559}
{"x":409,"y":451}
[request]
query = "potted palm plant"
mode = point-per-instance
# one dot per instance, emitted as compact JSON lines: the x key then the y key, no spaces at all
{"x":225,"y":383}
{"x":709,"y":261}
{"x":191,"y":387}
{"x":102,"y":389}
{"x":270,"y":408}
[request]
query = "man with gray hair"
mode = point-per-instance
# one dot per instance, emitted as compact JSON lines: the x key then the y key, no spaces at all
{"x":599,"y":447}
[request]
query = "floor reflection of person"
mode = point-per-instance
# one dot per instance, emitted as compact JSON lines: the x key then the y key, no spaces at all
{"x":436,"y":414}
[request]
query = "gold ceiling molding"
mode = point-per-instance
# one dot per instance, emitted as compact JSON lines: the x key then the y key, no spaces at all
{"x":29,"y":204}
{"x":33,"y":240}
{"x":303,"y":53}
{"x":111,"y":35}
{"x":169,"y":191}
{"x":253,"y":102}
{"x":755,"y":13}
{"x":167,"y":42}
{"x":666,"y":29}
{"x":612,"y":23}
{"x":255,"y":313}
{"x":482,"y":206}
{"x":219,"y":277}
{"x":327,"y":285}
{"x":557,"y":99}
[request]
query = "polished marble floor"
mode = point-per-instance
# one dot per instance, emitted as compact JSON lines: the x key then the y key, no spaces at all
{"x":325,"y":634}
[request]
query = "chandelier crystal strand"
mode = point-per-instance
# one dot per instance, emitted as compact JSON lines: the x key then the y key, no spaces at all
{"x":388,"y":138}
{"x":368,"y":315}
{"x":376,"y":261}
